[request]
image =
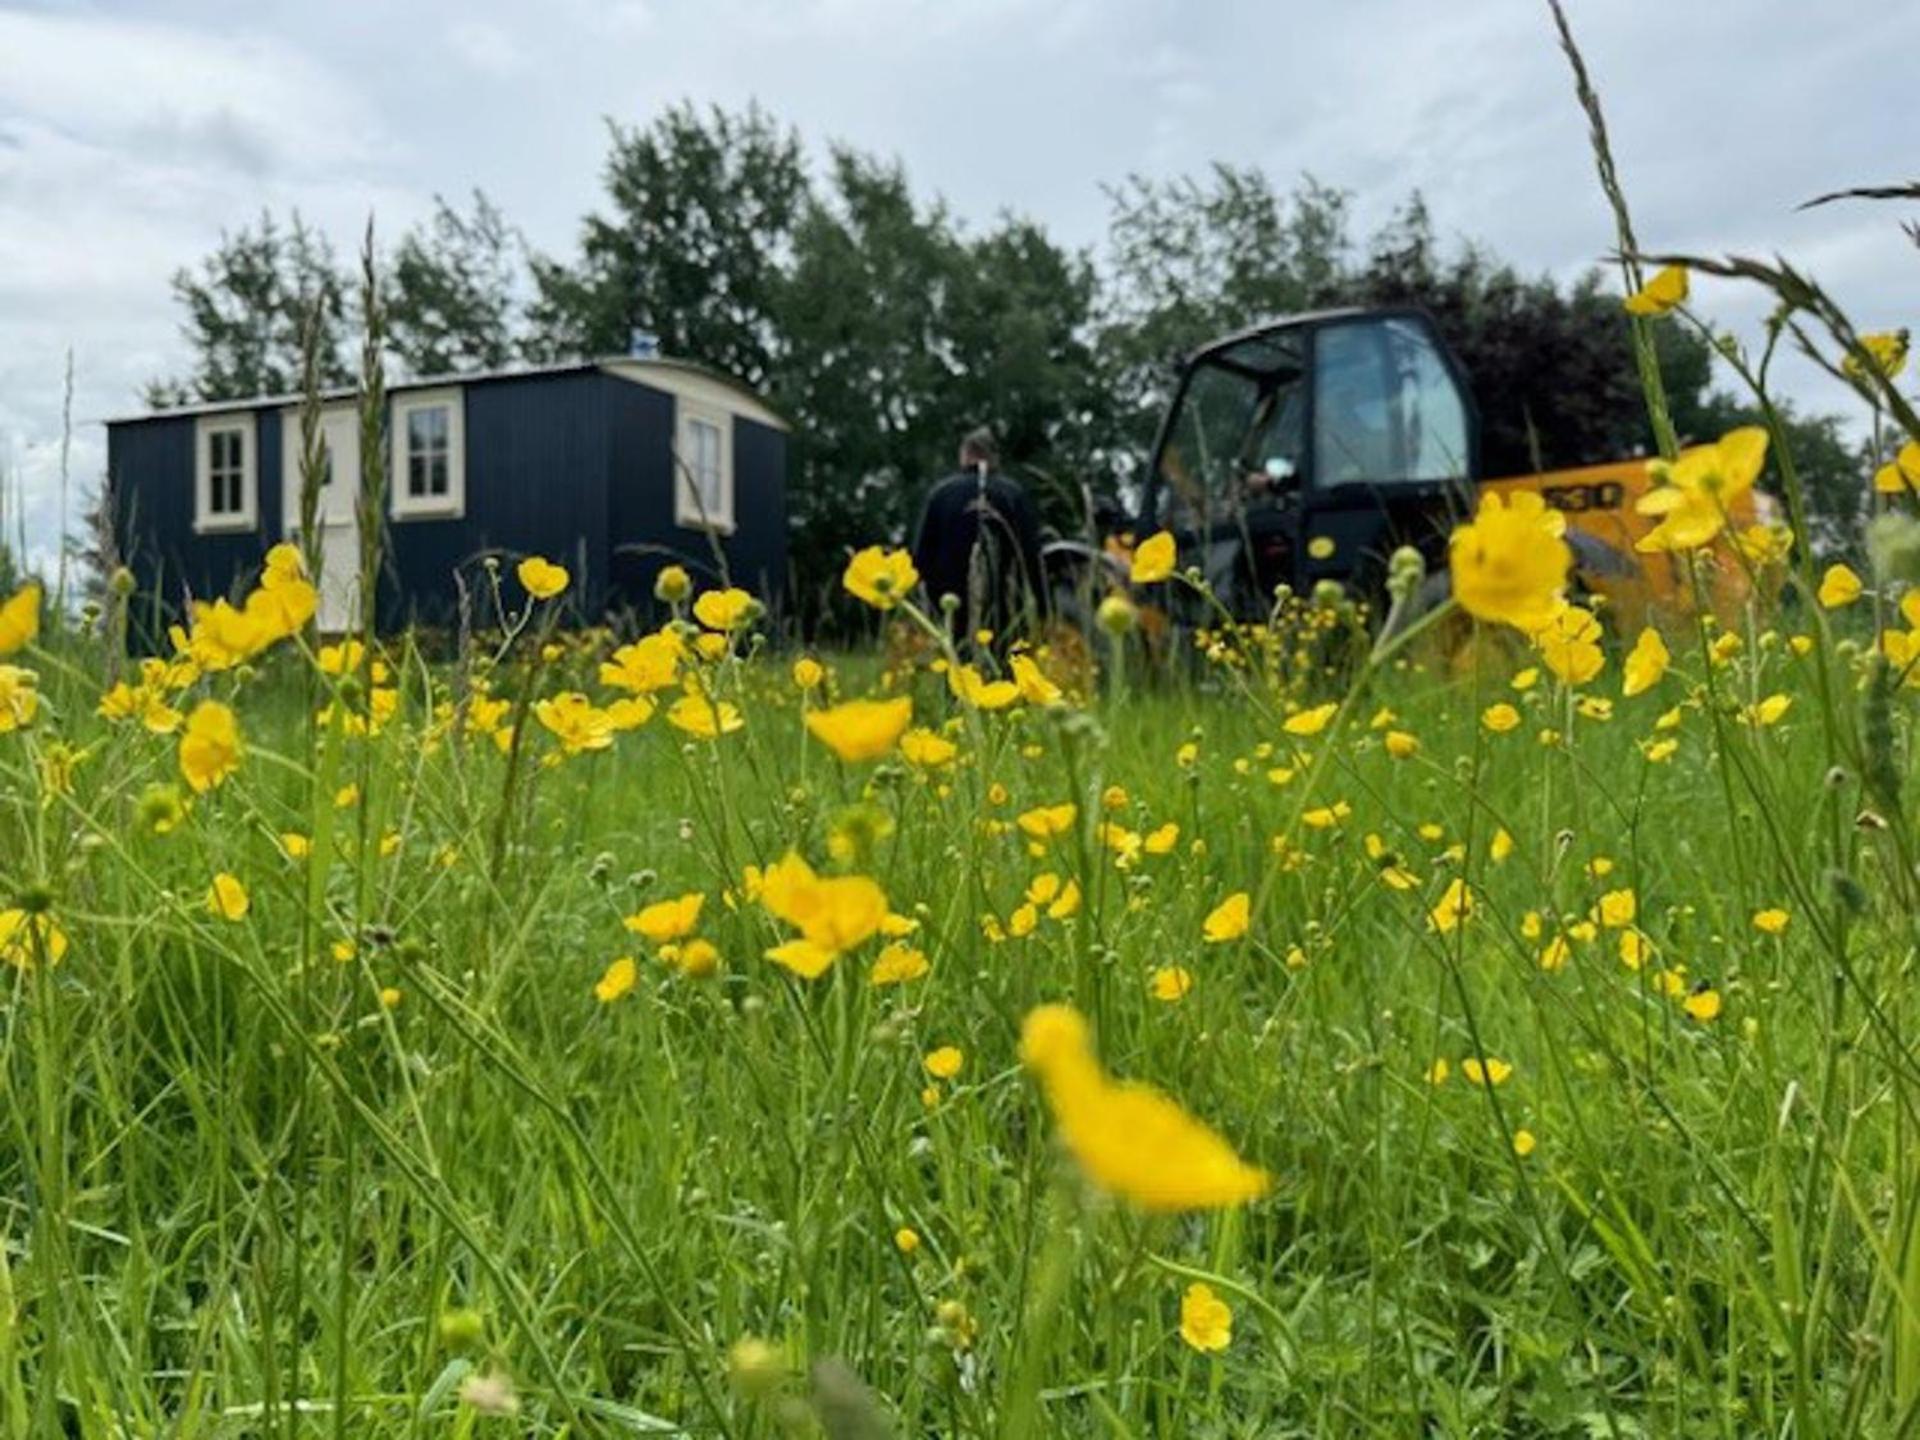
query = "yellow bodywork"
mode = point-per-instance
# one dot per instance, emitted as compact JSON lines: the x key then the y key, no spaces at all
{"x":1598,"y":501}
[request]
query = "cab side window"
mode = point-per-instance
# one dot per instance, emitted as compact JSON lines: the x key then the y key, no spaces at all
{"x":1387,"y":410}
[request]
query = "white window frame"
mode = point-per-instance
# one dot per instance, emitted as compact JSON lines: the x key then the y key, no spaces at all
{"x":686,"y":509}
{"x":453,"y":504}
{"x":206,"y":521}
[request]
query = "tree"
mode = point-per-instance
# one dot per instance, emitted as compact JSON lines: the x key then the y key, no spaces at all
{"x":951,"y":332}
{"x":692,"y":248}
{"x":453,"y":287}
{"x":247,"y":307}
{"x":1191,"y":259}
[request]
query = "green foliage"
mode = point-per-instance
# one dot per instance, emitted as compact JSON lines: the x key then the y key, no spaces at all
{"x":702,"y":209}
{"x":453,"y":282}
{"x":246,"y":308}
{"x":884,"y":329}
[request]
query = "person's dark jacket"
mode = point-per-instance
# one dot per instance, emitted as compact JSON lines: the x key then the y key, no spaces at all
{"x":962,"y":511}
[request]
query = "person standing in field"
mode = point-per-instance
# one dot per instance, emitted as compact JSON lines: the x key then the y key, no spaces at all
{"x":978,"y":539}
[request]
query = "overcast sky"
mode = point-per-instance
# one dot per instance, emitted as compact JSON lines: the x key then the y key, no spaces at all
{"x":132,"y":134}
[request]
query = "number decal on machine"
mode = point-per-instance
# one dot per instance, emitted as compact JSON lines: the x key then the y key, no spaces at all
{"x":1576,"y":499}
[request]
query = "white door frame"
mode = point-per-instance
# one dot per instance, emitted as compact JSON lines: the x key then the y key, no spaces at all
{"x":337,"y":517}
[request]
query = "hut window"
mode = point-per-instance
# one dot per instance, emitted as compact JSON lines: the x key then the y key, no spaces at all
{"x":703,"y":462}
{"x":429,"y":461}
{"x":224,"y":488}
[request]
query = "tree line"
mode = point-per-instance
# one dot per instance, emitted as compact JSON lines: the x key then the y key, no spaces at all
{"x":883,"y":326}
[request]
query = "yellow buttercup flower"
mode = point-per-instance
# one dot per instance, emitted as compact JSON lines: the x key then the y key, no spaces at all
{"x":896,"y":964}
{"x":1695,"y":491}
{"x":1886,"y":354}
{"x":1228,"y":920}
{"x":1661,"y":295}
{"x":1500,"y":717}
{"x":1570,"y":644}
{"x":1645,"y":663}
{"x":1617,"y":908}
{"x":1154,"y":559}
{"x":1310,"y":722}
{"x":724,"y":610}
{"x":1033,"y":683}
{"x":1129,"y":1139}
{"x":926,"y":749}
{"x":1206,"y":1321}
{"x":541,"y":578}
{"x":1401,"y":745}
{"x":1048,"y":822}
{"x":26,"y":939}
{"x":1899,"y":476}
{"x":703,"y":718}
{"x":1170,"y":983}
{"x":616,"y":980}
{"x":1703,"y":1005}
{"x":1509,"y":563}
{"x":1772,"y":921}
{"x":20,"y":619}
{"x":833,"y":914}
{"x":808,"y":673}
{"x":945,"y":1062}
{"x":575,"y":722}
{"x":227,"y":898}
{"x":861,"y":729}
{"x":880,"y":577}
{"x":648,"y":664}
{"x":667,"y":920}
{"x":967,"y":684}
{"x":1489,"y":1072}
{"x":1838,"y":586}
{"x":19,"y":700}
{"x":1455,"y":905}
{"x":210,"y":750}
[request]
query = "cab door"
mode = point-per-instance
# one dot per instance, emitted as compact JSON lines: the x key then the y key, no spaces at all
{"x":1394,"y":448}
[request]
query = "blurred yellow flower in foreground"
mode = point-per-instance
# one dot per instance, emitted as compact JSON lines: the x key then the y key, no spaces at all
{"x":861,"y":729}
{"x":1886,"y":353}
{"x":1128,"y":1138}
{"x":210,"y":749}
{"x":1510,"y":562}
{"x":1694,"y":491}
{"x":833,"y":914}
{"x":19,"y":700}
{"x":1661,"y":295}
{"x":1153,"y":559}
{"x":1645,"y":664}
{"x":20,"y":619}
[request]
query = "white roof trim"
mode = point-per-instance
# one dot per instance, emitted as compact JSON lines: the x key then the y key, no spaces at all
{"x":696,"y":384}
{"x":673,"y":376}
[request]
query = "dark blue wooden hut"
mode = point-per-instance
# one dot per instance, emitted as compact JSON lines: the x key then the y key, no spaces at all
{"x":613,"y":467}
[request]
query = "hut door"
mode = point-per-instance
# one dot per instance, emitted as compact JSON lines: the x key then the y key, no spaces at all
{"x":336,"y":518}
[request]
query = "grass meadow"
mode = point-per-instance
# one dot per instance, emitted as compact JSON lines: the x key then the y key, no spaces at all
{"x":1504,"y":1028}
{"x":387,"y":1142}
